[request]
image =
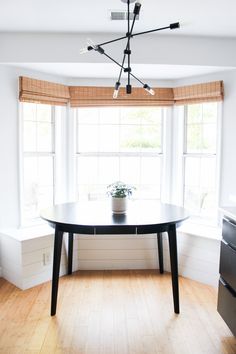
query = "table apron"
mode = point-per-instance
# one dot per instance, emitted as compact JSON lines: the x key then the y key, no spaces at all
{"x":115,"y":229}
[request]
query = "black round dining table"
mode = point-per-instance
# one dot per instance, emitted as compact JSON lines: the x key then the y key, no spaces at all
{"x":96,"y":218}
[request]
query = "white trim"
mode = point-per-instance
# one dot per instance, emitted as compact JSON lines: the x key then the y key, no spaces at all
{"x":71,"y":164}
{"x":167,"y":136}
{"x":201,"y":230}
{"x":20,"y":167}
{"x":219,"y":157}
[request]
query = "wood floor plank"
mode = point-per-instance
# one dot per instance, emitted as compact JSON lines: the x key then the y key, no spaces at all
{"x":113,"y":312}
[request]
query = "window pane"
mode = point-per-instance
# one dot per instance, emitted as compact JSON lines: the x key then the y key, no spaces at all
{"x":130,"y":115}
{"x":209,"y":138}
{"x":117,"y":140}
{"x":150,"y":170}
{"x":44,"y":113}
{"x":150,"y":115}
{"x":29,"y":136}
{"x":87,"y":170}
{"x":201,"y":122}
{"x":200,"y":185}
{"x":44,"y":137}
{"x":130,"y":170}
{"x":38,"y":185}
{"x":108,"y":170}
{"x":88,"y":138}
{"x":194,"y":113}
{"x":29,"y":111}
{"x":38,"y":168}
{"x":109,"y":138}
{"x":150,"y":138}
{"x":210,"y":112}
{"x":109,"y":115}
{"x":88,"y":116}
{"x":130,"y":138}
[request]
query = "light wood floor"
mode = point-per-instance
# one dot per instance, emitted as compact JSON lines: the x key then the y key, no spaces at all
{"x":113,"y":312}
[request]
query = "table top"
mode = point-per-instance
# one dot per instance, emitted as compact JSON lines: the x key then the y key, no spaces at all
{"x":97,"y":214}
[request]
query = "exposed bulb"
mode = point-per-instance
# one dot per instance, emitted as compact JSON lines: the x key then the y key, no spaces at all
{"x":115,"y":94}
{"x":149,"y":89}
{"x":84,"y":50}
{"x":116,"y":91}
{"x":90,"y":45}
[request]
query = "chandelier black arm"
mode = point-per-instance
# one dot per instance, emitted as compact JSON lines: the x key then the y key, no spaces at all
{"x":171,"y":26}
{"x":113,"y":40}
{"x":122,"y":67}
{"x":139,"y":33}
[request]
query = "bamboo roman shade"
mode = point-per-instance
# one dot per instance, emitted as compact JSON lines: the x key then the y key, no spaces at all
{"x":89,"y":96}
{"x":38,"y":91}
{"x":206,"y":92}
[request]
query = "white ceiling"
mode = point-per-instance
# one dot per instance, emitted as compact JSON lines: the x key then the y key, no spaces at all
{"x":98,"y":70}
{"x":197,"y":18}
{"x":204,"y":17}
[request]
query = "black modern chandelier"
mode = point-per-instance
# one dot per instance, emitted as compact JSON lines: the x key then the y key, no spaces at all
{"x":127,"y":51}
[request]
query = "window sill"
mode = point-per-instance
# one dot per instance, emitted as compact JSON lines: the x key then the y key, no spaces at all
{"x":200,"y":230}
{"x":28,"y":233}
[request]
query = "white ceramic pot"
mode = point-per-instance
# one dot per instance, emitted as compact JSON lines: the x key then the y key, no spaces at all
{"x":119,"y":205}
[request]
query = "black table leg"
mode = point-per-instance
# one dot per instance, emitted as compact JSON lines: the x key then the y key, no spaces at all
{"x":174,"y":266}
{"x":70,"y":251}
{"x":56,"y":268}
{"x":160,"y":252}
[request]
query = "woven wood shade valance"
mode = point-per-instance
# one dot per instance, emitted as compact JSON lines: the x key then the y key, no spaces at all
{"x":199,"y":93}
{"x":89,"y":96}
{"x":38,"y":91}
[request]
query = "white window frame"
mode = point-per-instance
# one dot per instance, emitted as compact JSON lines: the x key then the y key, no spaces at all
{"x":217,"y":156}
{"x":163,"y":193}
{"x":22,"y":154}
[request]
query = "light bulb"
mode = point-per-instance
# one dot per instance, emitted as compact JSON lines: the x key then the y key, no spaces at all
{"x":84,"y":50}
{"x":117,"y":86}
{"x":115,"y":94}
{"x":149,"y":89}
{"x":91,"y":43}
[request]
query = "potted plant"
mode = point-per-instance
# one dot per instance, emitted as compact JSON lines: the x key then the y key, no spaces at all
{"x":119,"y":192}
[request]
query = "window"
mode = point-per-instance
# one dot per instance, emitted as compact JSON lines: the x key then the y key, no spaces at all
{"x":200,"y":159}
{"x":119,"y":143}
{"x":38,"y":135}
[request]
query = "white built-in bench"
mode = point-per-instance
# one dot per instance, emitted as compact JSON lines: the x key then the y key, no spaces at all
{"x":26,"y":254}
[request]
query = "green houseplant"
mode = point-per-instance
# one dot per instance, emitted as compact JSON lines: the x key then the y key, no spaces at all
{"x":119,"y":192}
